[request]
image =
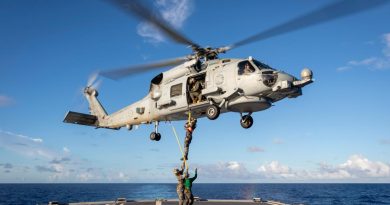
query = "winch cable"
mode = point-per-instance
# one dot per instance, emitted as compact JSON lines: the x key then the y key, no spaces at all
{"x":178,"y":141}
{"x":181,"y":149}
{"x":189,"y":116}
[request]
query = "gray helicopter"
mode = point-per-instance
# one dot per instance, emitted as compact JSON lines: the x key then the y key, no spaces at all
{"x":202,"y":84}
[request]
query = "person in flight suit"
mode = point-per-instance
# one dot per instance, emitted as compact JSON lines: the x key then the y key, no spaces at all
{"x":195,"y":90}
{"x":248,"y":69}
{"x":180,"y":184}
{"x":189,"y":127}
{"x":189,"y":197}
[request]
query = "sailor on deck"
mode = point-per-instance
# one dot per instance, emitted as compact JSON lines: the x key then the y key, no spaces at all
{"x":189,"y":197}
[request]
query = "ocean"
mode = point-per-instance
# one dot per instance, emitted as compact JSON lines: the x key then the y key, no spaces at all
{"x":289,"y":193}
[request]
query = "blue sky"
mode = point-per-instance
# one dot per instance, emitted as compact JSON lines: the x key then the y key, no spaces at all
{"x":337,"y":131}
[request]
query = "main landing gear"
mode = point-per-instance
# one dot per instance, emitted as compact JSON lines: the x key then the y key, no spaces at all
{"x":155,"y":135}
{"x":212,"y":112}
{"x":246,"y":121}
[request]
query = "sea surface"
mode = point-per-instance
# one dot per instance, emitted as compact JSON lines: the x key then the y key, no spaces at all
{"x":288,"y":193}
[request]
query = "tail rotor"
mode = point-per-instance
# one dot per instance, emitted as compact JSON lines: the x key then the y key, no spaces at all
{"x":94,"y":81}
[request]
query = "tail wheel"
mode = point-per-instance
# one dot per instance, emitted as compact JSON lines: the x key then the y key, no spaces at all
{"x":212,"y":112}
{"x":246,"y":121}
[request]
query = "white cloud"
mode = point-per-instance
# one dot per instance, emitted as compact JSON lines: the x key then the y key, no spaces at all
{"x":5,"y":101}
{"x":87,"y":176}
{"x":223,"y":170}
{"x":38,"y":140}
{"x":359,"y":166}
{"x":60,"y":160}
{"x":25,"y":145}
{"x":275,"y":169}
{"x":98,"y":175}
{"x":40,"y":168}
{"x":6,"y":165}
{"x":148,"y":31}
{"x":53,"y":165}
{"x":373,"y":63}
{"x":255,"y":149}
{"x":66,"y":150}
{"x":174,"y":12}
{"x":344,"y":68}
{"x":233,"y":165}
{"x":385,"y":141}
{"x":123,"y":177}
{"x":278,"y":141}
{"x":386,"y":50}
{"x":355,"y":168}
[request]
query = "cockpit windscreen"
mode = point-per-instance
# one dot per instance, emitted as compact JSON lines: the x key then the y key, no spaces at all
{"x":261,"y":65}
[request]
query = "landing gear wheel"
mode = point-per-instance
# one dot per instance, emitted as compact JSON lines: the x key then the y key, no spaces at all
{"x":158,"y":136}
{"x":155,"y":136}
{"x":212,"y":112}
{"x":246,"y":121}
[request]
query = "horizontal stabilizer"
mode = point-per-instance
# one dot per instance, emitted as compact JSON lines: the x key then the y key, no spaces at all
{"x":80,"y":118}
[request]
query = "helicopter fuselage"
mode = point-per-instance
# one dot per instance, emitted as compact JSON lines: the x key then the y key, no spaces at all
{"x":227,"y":85}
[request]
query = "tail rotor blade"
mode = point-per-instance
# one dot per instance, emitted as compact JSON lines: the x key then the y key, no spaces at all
{"x":92,"y":79}
{"x":96,"y":85}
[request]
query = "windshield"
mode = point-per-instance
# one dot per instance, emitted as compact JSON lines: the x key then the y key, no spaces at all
{"x":245,"y":67}
{"x":261,"y":65}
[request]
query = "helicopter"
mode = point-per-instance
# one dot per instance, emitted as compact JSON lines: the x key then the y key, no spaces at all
{"x":202,"y":84}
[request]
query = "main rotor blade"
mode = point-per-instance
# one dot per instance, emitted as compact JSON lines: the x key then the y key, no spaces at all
{"x":330,"y":12}
{"x":140,"y":11}
{"x":123,"y":72}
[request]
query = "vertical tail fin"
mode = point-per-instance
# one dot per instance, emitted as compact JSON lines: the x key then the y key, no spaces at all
{"x":95,"y":107}
{"x":98,"y":116}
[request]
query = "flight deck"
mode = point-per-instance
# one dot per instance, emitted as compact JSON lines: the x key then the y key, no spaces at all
{"x":255,"y":201}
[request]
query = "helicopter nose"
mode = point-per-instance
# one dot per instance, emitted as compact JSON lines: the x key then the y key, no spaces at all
{"x":306,"y":78}
{"x":284,"y":82}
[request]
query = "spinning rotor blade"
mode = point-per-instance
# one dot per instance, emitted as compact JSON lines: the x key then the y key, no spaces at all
{"x":123,"y":72}
{"x":136,"y":8}
{"x":330,"y":12}
{"x":93,"y":80}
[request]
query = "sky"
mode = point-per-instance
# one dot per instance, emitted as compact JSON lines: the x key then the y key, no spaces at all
{"x":336,"y":132}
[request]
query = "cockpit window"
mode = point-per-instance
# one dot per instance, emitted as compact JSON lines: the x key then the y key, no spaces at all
{"x":245,"y":67}
{"x":261,"y":65}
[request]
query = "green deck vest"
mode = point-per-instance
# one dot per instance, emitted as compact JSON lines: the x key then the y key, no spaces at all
{"x":188,"y":182}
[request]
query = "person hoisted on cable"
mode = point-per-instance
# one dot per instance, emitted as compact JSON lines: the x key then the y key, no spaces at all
{"x":189,"y":127}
